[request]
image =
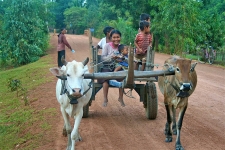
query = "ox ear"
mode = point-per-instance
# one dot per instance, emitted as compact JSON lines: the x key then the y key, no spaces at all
{"x":56,"y":71}
{"x":193,"y":66}
{"x":85,"y":61}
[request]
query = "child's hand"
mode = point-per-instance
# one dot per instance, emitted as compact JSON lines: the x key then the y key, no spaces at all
{"x":114,"y":56}
{"x":119,"y":56}
{"x":139,"y":50}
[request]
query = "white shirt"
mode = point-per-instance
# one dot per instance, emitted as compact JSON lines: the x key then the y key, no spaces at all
{"x":102,"y":42}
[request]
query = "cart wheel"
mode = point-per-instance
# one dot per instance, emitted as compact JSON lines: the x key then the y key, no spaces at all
{"x":151,"y":109}
{"x":86,"y":110}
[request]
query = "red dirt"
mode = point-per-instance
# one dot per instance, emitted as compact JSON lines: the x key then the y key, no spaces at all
{"x":126,"y":128}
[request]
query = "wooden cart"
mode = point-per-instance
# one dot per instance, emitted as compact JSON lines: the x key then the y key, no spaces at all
{"x":146,"y":89}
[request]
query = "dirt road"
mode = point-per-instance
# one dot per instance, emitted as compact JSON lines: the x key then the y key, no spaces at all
{"x":126,"y":128}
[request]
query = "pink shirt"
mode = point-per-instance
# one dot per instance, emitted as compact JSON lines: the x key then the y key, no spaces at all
{"x":62,"y":42}
{"x":108,"y":51}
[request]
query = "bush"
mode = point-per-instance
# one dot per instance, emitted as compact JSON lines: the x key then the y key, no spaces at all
{"x":128,"y":33}
{"x":25,"y":34}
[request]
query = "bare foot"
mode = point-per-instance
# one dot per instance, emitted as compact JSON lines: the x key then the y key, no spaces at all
{"x":121,"y":102}
{"x":105,"y":103}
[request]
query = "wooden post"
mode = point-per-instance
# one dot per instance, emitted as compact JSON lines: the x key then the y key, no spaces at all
{"x":148,"y":66}
{"x":129,"y":81}
{"x":150,"y":58}
{"x":153,"y":54}
{"x":90,"y":49}
{"x":54,"y":32}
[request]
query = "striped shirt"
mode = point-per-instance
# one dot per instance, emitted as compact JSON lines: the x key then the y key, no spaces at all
{"x":143,"y":41}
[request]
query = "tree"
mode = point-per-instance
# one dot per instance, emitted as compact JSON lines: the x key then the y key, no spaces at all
{"x":61,"y":6}
{"x":25,"y":34}
{"x":213,"y":14}
{"x":74,"y":20}
{"x":179,"y":22}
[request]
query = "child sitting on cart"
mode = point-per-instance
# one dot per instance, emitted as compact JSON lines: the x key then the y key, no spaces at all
{"x":121,"y":63}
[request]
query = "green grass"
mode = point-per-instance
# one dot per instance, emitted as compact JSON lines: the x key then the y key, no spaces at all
{"x":15,"y":117}
{"x":193,"y":57}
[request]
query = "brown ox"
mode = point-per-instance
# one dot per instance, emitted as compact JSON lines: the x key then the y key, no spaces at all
{"x":176,"y":90}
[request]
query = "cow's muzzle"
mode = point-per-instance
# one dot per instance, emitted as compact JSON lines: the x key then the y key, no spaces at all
{"x":184,"y":88}
{"x":76,"y":92}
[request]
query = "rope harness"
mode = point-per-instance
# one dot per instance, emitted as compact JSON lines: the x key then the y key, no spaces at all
{"x":73,"y":100}
{"x":129,"y":93}
{"x":111,"y":64}
{"x":166,"y":81}
{"x":179,"y":93}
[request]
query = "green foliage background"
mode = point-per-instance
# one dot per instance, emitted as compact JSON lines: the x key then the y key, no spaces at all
{"x":24,"y":35}
{"x":177,"y":26}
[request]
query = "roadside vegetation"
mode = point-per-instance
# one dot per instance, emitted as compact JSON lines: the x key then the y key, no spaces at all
{"x":178,"y":27}
{"x":17,"y":117}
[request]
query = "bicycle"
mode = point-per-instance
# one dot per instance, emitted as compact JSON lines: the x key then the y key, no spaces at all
{"x":209,"y":54}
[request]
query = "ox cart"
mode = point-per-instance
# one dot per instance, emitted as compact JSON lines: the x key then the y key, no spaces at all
{"x":145,"y":87}
{"x":77,"y":86}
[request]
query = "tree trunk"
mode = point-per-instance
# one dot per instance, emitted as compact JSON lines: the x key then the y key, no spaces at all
{"x":156,"y":43}
{"x":167,"y":48}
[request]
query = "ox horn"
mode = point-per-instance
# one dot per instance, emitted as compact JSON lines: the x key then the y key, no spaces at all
{"x":193,"y":65}
{"x":63,"y":60}
{"x":85,"y":61}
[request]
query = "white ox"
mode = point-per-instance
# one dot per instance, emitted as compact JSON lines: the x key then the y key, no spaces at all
{"x":71,"y":88}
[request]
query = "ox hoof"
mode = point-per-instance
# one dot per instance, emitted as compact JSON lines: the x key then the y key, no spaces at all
{"x":179,"y":147}
{"x":168,"y":139}
{"x":78,"y":139}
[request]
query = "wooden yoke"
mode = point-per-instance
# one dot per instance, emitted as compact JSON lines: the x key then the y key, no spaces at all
{"x":129,"y":80}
